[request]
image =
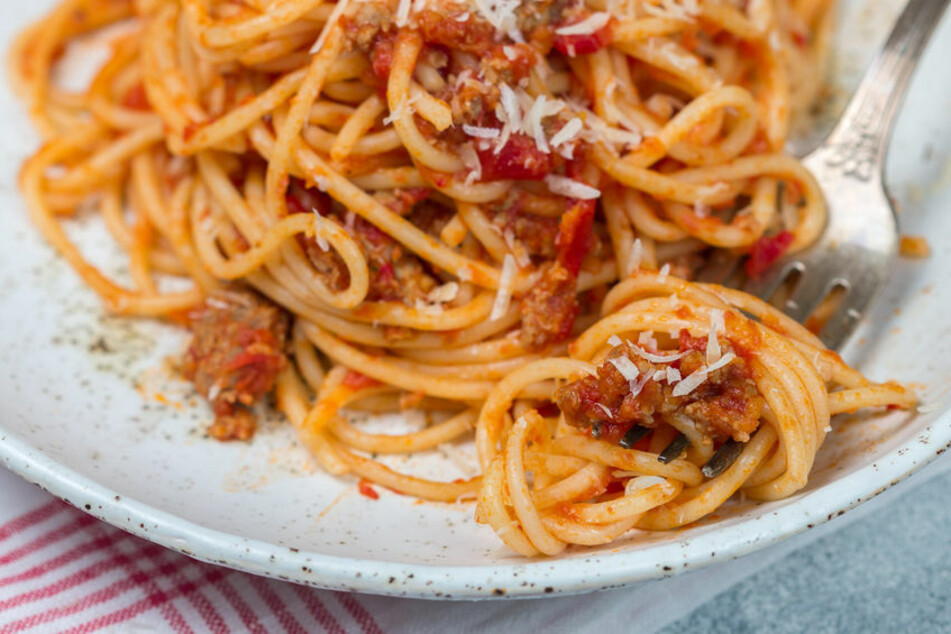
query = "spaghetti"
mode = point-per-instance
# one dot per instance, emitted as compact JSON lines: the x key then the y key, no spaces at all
{"x":454,"y":206}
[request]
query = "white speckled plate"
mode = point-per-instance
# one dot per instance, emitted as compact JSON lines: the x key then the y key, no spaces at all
{"x":88,"y":411}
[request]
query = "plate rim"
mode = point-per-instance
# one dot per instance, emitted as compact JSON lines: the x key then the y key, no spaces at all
{"x":527,"y":578}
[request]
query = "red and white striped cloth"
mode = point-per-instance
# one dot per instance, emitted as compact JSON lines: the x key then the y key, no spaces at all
{"x":63,"y":571}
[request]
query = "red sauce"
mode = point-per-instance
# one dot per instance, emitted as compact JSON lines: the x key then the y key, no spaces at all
{"x":356,"y":381}
{"x":366,"y":490}
{"x":765,"y":251}
{"x":519,"y":159}
{"x":381,"y":56}
{"x":574,"y":239}
{"x":469,"y":36}
{"x":573,"y":45}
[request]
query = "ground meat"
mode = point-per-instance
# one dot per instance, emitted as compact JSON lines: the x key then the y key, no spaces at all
{"x":444,"y":27}
{"x":727,"y":404}
{"x":395,"y":274}
{"x":549,"y":309}
{"x":365,"y":22}
{"x":328,"y":264}
{"x":536,"y":234}
{"x":551,"y":306}
{"x":236,"y":353}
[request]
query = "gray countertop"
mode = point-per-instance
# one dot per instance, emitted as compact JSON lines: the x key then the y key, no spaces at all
{"x":887,"y":572}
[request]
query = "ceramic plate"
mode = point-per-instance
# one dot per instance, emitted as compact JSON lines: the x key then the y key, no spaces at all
{"x":90,"y":410}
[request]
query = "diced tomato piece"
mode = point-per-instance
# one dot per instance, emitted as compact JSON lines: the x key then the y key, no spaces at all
{"x":366,"y":490}
{"x":381,"y":55}
{"x":356,"y":381}
{"x":765,"y":251}
{"x":519,"y":159}
{"x":686,"y":342}
{"x":574,"y":235}
{"x":572,"y":45}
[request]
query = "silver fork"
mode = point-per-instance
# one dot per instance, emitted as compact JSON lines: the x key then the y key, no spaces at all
{"x":857,"y":250}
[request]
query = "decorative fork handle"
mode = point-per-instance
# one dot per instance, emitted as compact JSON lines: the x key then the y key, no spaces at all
{"x":859,"y":141}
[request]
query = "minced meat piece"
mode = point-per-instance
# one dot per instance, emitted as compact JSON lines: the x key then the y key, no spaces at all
{"x":236,"y":353}
{"x":726,"y":404}
{"x":550,"y":308}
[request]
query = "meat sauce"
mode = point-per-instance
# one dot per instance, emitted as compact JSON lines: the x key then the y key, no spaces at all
{"x":395,"y":274}
{"x":727,"y":404}
{"x":551,"y":306}
{"x":235,"y":355}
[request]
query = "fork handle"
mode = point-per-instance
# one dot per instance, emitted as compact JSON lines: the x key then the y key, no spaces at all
{"x":860,"y":139}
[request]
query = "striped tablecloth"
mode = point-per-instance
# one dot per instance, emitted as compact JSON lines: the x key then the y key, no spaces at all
{"x":64,"y":571}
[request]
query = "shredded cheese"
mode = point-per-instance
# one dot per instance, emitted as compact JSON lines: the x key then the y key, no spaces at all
{"x":635,"y":258}
{"x":571,"y":188}
{"x":591,"y":24}
{"x":606,"y":411}
{"x":713,"y":344}
{"x":321,"y":241}
{"x":626,"y":367}
{"x":338,"y":10}
{"x":399,"y":112}
{"x":614,"y":340}
{"x":480,"y":132}
{"x":504,"y":295}
{"x":470,"y":158}
{"x":402,"y":12}
{"x":697,"y":378}
{"x":569,"y":132}
{"x":442,"y":294}
{"x":656,"y":358}
{"x":663,"y":273}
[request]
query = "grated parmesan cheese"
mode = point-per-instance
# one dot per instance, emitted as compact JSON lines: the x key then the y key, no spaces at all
{"x":635,"y":258}
{"x":504,"y":295}
{"x":470,"y":158}
{"x":402,"y":12}
{"x":626,"y":367}
{"x":689,"y":384}
{"x":571,"y":188}
{"x":399,"y":112}
{"x":697,"y":378}
{"x":606,"y":411}
{"x":713,"y":344}
{"x":663,"y":273}
{"x":646,"y":340}
{"x":321,"y":241}
{"x":338,"y":10}
{"x":480,"y":132}
{"x":442,"y":294}
{"x":673,"y":375}
{"x":637,"y":387}
{"x":614,"y":340}
{"x":501,"y":15}
{"x":569,"y":132}
{"x":657,"y":358}
{"x":589,"y":25}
